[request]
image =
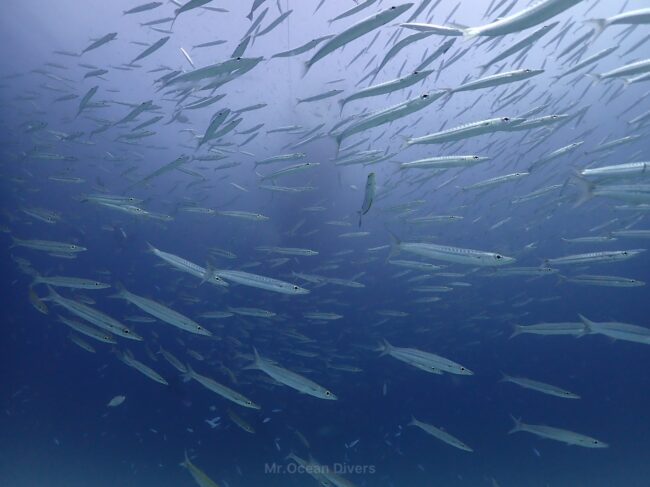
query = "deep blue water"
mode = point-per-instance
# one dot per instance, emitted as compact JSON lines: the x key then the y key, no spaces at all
{"x":56,"y":427}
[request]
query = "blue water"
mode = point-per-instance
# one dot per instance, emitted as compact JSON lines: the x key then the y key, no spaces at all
{"x":56,"y":428}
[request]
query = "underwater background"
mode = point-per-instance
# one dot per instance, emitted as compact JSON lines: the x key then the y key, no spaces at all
{"x":57,"y":429}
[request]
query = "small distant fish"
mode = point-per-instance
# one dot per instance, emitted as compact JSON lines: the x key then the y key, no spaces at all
{"x":116,"y":401}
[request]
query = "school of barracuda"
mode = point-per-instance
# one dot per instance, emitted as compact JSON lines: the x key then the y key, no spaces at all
{"x":486,"y":136}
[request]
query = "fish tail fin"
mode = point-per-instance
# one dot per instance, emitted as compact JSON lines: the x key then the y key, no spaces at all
{"x":517,"y":425}
{"x":151,"y":248}
{"x":394,"y":244}
{"x":599,"y":26}
{"x":384,"y":347}
{"x":585,"y":187}
{"x":341,"y":105}
{"x":516,"y":330}
{"x":256,"y":361}
{"x":186,"y":460}
{"x":305,"y":68}
{"x":339,"y":139}
{"x":470,"y":33}
{"x":121,"y":291}
{"x":360,"y":215}
{"x":208,"y":274}
{"x":413,"y":421}
{"x":51,"y":293}
{"x":589,"y":325}
{"x":504,"y":377}
{"x":189,"y":375}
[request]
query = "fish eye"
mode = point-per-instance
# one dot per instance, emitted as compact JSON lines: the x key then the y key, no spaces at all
{"x":199,"y":327}
{"x":475,"y":157}
{"x":463,"y":369}
{"x":238,"y":58}
{"x":416,"y":72}
{"x":126,"y":332}
{"x":625,"y":252}
{"x":295,"y":288}
{"x":505,"y":119}
{"x":249,"y":402}
{"x":73,"y":246}
{"x":392,"y":8}
{"x":527,"y":71}
{"x":498,"y":257}
{"x":328,"y":393}
{"x":425,"y":96}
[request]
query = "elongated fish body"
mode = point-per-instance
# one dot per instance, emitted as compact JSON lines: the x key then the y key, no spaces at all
{"x":631,"y":69}
{"x":498,"y":79}
{"x":100,"y":42}
{"x":518,"y":46}
{"x":151,"y":49}
{"x":535,"y":14}
{"x":173,"y":361}
{"x":71,"y":282}
{"x":93,"y":316}
{"x":304,"y":48}
{"x":321,"y":96}
{"x":468,"y":130}
{"x":617,"y":330}
{"x":538,"y":386}
{"x":544,"y":121}
{"x":245,"y":215}
{"x":594,"y":257}
{"x":357,"y":30}
{"x":628,"y":169}
{"x":427,"y":361}
{"x":631,"y":193}
{"x":496,"y":180}
{"x":443,"y":162}
{"x":290,"y":170}
{"x":142,"y":8}
{"x":440,"y":434}
{"x":48,"y":245}
{"x":220,"y":389}
{"x":590,"y":60}
{"x":199,"y":476}
{"x":605,"y":281}
{"x":288,"y":251}
{"x":162,"y":312}
{"x":353,"y":10}
{"x":631,"y":233}
{"x":81,"y":343}
{"x":389,"y":114}
{"x":260,"y":282}
{"x":576,"y":329}
{"x":187,"y":266}
{"x":458,"y":255}
{"x":291,"y":379}
{"x":387,"y":87}
{"x":128,"y":358}
{"x":89,"y":331}
{"x":369,"y":196}
{"x":441,"y":30}
{"x":557,"y":434}
{"x":632,"y":17}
